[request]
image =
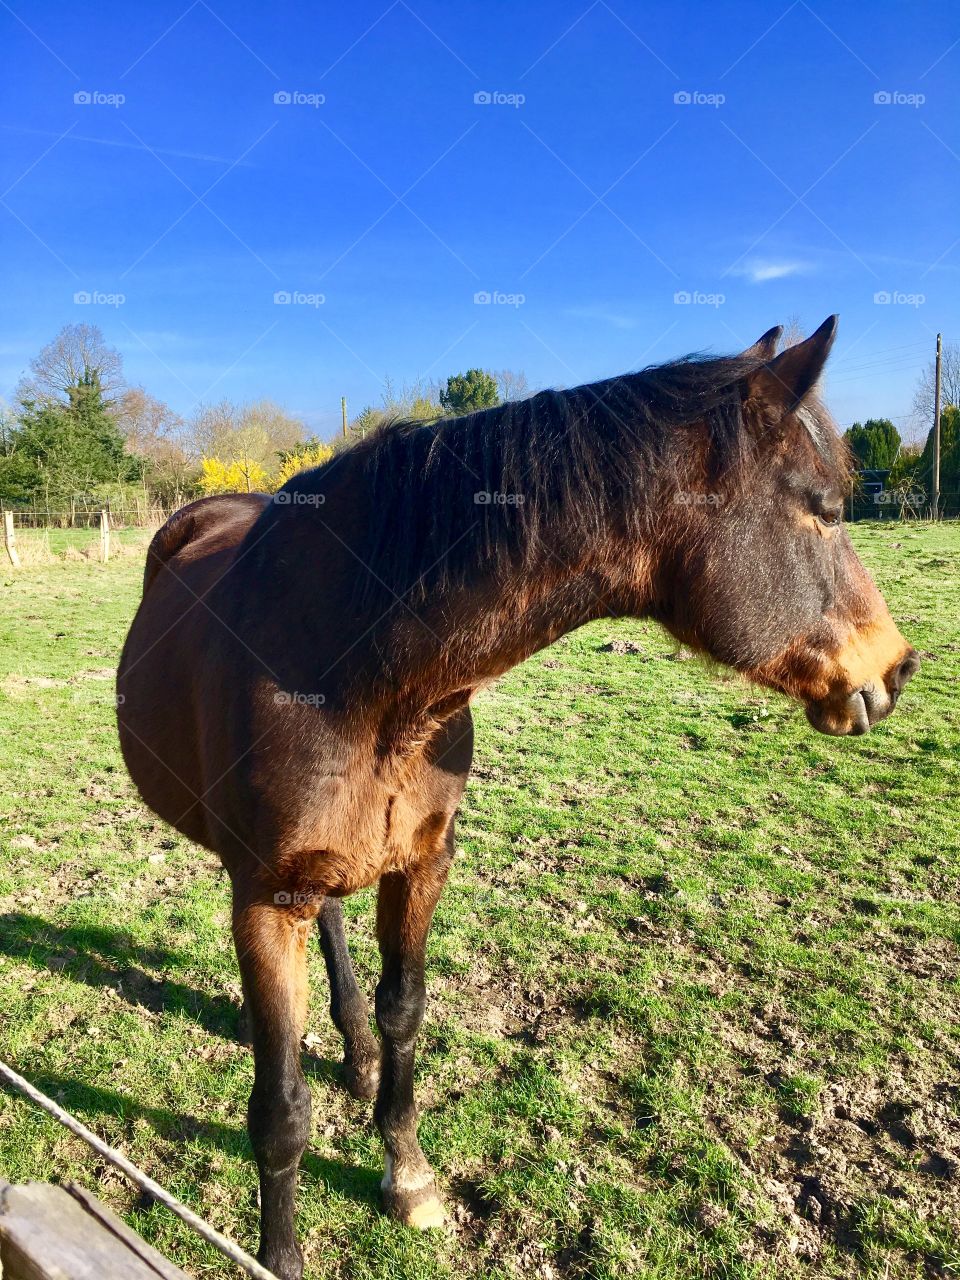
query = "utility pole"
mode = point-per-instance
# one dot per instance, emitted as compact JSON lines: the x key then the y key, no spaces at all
{"x":343,"y":413}
{"x":936,"y":433}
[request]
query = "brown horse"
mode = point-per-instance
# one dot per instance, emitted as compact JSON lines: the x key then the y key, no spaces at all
{"x":294,"y":690}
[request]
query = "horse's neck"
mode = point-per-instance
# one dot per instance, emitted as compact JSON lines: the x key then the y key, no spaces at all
{"x":489,"y":625}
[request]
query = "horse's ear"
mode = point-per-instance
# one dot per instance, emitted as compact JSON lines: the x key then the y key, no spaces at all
{"x":779,"y":385}
{"x":765,"y":347}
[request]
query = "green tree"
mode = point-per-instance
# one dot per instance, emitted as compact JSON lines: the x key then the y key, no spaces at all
{"x":875,"y":444}
{"x":466,"y":392}
{"x":949,"y":453}
{"x":58,"y":452}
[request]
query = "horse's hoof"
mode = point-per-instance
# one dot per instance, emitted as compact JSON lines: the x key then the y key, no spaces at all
{"x":428,"y":1215}
{"x":422,"y":1209}
{"x":361,"y":1080}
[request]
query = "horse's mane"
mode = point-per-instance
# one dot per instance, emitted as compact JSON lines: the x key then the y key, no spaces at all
{"x":554,"y":471}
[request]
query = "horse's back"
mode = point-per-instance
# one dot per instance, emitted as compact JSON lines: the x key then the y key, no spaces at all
{"x":202,"y":527}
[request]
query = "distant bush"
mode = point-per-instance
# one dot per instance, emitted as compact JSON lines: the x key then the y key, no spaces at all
{"x":303,"y":458}
{"x":235,"y":476}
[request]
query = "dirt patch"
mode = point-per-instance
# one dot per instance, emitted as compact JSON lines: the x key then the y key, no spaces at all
{"x":895,"y":1138}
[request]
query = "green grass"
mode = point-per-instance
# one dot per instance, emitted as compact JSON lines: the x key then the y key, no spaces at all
{"x":693,"y":984}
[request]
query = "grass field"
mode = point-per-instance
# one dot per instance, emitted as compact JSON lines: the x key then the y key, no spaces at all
{"x":693,"y":996}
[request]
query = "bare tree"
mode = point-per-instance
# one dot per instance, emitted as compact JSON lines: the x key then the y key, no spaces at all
{"x":76,"y":351}
{"x":923,"y":399}
{"x":511,"y":384}
{"x":257,"y":431}
{"x":793,"y":332}
{"x":149,"y":426}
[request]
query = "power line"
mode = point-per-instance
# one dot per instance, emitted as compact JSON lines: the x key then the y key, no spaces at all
{"x":869,"y":355}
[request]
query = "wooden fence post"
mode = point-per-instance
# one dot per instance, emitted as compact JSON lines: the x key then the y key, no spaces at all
{"x":104,"y":535}
{"x":10,"y":539}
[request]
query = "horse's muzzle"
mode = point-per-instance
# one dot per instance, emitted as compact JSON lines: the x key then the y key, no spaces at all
{"x":865,"y":707}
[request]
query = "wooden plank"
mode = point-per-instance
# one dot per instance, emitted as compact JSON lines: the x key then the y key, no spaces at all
{"x":48,"y":1233}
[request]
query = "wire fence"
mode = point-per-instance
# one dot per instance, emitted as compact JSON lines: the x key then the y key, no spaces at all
{"x":39,"y":534}
{"x":902,"y":504}
{"x":122,"y":515}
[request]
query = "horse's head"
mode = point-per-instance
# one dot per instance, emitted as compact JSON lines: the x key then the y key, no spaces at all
{"x":759,"y":571}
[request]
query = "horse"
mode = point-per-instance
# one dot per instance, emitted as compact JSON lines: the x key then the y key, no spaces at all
{"x":295,"y":688}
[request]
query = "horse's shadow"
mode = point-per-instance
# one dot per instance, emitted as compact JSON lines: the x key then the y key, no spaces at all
{"x":103,"y":957}
{"x":352,"y":1182}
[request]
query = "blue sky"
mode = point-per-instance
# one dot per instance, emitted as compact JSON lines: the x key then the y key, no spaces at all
{"x":626,"y":154}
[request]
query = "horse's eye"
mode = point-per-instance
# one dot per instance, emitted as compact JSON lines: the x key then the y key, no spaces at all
{"x":829,"y":515}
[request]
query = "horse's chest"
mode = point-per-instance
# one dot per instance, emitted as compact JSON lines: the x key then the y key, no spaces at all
{"x":364,"y":826}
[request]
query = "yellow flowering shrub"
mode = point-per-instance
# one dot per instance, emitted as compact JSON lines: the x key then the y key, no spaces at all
{"x":297,"y":460}
{"x":240,"y":475}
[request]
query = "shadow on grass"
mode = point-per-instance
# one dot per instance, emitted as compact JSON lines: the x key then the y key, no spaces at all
{"x":104,"y":957}
{"x":87,"y":1101}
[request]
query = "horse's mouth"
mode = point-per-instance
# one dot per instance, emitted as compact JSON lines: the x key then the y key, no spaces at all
{"x":855,"y":714}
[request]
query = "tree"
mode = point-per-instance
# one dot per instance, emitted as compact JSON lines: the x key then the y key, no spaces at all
{"x":148,"y":425}
{"x":77,"y":350}
{"x":59,"y":452}
{"x":923,"y":399}
{"x":949,"y":453}
{"x":511,"y":385}
{"x":906,"y":474}
{"x":466,"y":392}
{"x":259,"y":431}
{"x":875,"y":444}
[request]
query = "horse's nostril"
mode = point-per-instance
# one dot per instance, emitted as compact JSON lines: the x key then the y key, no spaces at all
{"x":907,"y":668}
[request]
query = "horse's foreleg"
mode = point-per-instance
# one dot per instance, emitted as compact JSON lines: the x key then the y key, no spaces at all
{"x":271,"y":949}
{"x":348,"y":1007}
{"x":405,"y":907}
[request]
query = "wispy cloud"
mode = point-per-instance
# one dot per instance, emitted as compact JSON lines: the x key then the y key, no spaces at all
{"x":128,"y":146}
{"x":757,"y":272}
{"x":614,"y":318}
